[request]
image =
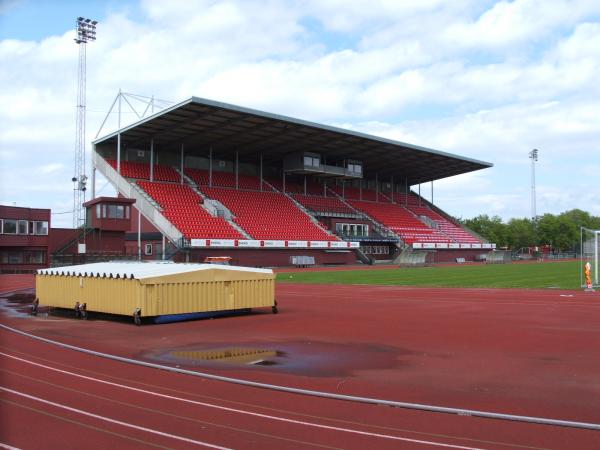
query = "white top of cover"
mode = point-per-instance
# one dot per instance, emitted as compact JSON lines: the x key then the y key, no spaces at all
{"x":139,"y":270}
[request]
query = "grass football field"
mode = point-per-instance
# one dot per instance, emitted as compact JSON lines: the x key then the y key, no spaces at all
{"x":558,"y":275}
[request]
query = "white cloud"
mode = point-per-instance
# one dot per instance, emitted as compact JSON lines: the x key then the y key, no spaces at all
{"x":50,"y":168}
{"x":486,"y":80}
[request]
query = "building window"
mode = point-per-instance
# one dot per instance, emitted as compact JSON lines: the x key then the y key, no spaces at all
{"x":41,"y":228}
{"x":10,"y":226}
{"x":116,"y":212}
{"x":147,"y":249}
{"x":15,"y":257}
{"x":352,"y":229}
{"x":36,"y":257}
{"x":311,"y":161}
{"x":22,"y":227}
{"x":98,"y":211}
{"x":1,"y":226}
{"x":355,"y":168}
{"x":127,"y":212}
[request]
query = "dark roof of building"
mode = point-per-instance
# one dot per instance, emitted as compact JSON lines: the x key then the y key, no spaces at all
{"x":96,"y":200}
{"x":200,"y":124}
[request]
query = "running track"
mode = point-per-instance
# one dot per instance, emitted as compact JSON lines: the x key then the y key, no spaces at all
{"x":520,"y":352}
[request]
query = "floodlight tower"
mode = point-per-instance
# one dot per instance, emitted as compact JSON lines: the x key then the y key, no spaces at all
{"x":86,"y":32}
{"x":533,"y":155}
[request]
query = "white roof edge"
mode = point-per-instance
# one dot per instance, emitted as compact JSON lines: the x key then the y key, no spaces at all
{"x":140,"y":271}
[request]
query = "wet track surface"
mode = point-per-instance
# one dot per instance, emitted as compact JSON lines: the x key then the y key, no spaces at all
{"x":523,"y":352}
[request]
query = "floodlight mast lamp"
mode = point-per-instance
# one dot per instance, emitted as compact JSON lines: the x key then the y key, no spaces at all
{"x":533,"y":155}
{"x":85,"y":32}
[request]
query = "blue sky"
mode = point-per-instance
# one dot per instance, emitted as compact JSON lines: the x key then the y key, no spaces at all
{"x":38,"y":19}
{"x":487,"y":80}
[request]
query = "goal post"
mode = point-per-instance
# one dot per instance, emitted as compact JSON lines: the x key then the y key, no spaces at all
{"x":590,"y":248}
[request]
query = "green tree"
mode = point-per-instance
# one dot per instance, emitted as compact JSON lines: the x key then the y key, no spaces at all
{"x":490,"y":228}
{"x":520,"y":233}
{"x":561,"y":232}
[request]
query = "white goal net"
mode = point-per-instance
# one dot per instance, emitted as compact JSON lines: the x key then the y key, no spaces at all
{"x":590,"y":248}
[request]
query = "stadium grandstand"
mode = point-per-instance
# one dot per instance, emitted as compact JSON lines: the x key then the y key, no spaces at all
{"x":214,"y":179}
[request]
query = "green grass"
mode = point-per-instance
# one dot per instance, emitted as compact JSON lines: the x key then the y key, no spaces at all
{"x":564,"y":275}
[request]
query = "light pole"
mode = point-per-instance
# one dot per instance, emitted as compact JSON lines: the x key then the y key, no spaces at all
{"x":533,"y":155}
{"x":86,"y":32}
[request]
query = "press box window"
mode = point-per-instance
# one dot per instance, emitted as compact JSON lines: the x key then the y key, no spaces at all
{"x":311,"y":161}
{"x":148,"y":249}
{"x":116,"y":211}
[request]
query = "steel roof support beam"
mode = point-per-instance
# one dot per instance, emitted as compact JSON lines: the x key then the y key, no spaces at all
{"x":237,"y":170}
{"x":182,"y":123}
{"x":119,"y":153}
{"x":152,"y":159}
{"x":202,"y":130}
{"x":210,"y":167}
{"x":261,"y":172}
{"x":93,"y":182}
{"x":181,"y":162}
{"x":284,"y":130}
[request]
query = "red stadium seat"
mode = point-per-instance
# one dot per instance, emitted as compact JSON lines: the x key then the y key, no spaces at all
{"x":323,"y":204}
{"x":401,"y":221}
{"x":181,"y":205}
{"x":268,"y":215}
{"x":141,"y":171}
{"x":225,"y":179}
{"x":457,"y":233}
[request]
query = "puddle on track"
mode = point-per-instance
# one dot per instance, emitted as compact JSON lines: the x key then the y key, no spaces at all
{"x":18,"y":304}
{"x":322,"y":359}
{"x":231,"y":355}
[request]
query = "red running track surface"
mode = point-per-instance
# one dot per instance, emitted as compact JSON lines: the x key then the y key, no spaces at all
{"x":510,"y":351}
{"x":10,"y":283}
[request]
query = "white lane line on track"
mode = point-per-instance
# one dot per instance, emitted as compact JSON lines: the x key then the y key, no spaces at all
{"x":108,"y":419}
{"x":240,"y":411}
{"x":328,"y":395}
{"x":480,"y":302}
{"x":8,"y":447}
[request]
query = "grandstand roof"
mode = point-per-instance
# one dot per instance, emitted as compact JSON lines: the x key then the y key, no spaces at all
{"x":200,"y":123}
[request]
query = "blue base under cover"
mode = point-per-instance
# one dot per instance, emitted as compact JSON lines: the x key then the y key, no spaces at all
{"x":199,"y":315}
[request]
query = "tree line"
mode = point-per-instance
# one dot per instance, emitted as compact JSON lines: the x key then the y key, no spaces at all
{"x":561,"y":232}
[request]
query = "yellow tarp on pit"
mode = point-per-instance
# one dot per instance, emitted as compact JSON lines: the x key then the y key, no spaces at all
{"x":157,"y":288}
